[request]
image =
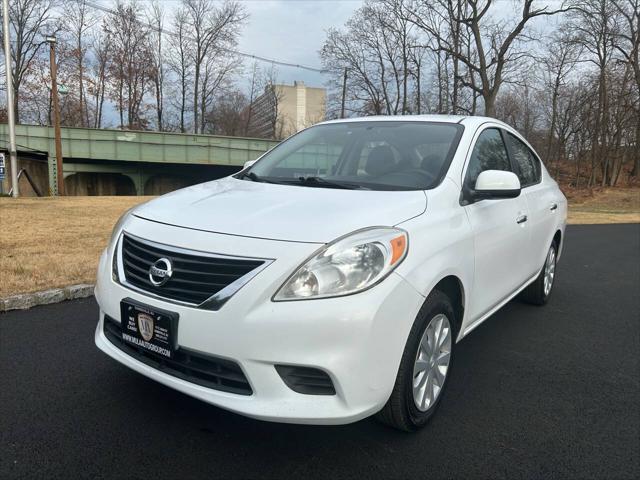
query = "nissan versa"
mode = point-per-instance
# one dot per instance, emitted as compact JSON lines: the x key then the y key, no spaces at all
{"x":331,"y":279}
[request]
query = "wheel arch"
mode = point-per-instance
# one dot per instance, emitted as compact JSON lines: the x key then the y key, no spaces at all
{"x":453,"y":288}
{"x":557,"y":240}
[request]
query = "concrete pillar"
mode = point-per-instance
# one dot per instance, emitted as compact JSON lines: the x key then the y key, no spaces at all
{"x":138,"y":180}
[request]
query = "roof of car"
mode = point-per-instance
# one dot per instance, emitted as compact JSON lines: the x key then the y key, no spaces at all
{"x":463,"y":119}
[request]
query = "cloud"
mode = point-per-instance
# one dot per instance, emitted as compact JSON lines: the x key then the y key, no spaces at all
{"x":293,"y":31}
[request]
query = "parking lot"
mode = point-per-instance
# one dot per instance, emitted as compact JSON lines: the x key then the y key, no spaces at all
{"x":535,"y":393}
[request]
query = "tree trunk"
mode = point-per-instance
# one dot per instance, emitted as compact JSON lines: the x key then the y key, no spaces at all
{"x":439,"y":72}
{"x":552,"y":127}
{"x":490,"y":103}
{"x":419,"y":92}
{"x":16,"y":106}
{"x":121,"y":103}
{"x":636,"y":166}
{"x":81,"y":101}
{"x":196,"y":92}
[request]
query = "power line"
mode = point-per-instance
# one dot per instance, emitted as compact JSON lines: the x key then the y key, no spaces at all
{"x":272,"y":61}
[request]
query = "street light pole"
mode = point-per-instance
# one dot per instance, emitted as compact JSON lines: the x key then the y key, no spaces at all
{"x":10,"y":113}
{"x":56,"y":114}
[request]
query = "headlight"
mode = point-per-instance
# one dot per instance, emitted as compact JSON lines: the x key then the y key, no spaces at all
{"x":348,"y":265}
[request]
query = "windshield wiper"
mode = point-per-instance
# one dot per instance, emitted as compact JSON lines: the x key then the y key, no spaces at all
{"x":257,"y":178}
{"x":321,"y":182}
{"x":252,"y":176}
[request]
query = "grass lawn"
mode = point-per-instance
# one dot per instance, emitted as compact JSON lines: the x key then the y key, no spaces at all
{"x":610,"y":205}
{"x":54,"y":242}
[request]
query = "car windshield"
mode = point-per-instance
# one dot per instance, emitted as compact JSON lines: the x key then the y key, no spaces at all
{"x":374,"y":155}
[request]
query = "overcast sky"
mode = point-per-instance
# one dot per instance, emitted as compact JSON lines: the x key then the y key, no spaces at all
{"x":292,"y":31}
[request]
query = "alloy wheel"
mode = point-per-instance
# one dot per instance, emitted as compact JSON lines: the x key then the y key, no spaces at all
{"x":432,"y":362}
{"x":549,"y":270}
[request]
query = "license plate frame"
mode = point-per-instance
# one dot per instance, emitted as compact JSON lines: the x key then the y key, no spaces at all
{"x":151,"y":329}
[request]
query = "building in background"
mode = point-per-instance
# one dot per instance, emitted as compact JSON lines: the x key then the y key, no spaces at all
{"x":283,"y":110}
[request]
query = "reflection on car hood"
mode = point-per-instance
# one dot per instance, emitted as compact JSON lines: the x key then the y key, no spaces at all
{"x":281,"y":212}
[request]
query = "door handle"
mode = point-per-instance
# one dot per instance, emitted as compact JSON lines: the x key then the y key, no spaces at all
{"x":521,"y":219}
{"x":553,"y":206}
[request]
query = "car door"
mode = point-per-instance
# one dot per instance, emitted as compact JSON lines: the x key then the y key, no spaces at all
{"x":541,"y":199}
{"x":499,"y":229}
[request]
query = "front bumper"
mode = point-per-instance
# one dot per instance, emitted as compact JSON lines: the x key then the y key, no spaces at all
{"x":357,"y":340}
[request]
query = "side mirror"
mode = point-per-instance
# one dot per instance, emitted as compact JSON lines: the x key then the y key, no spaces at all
{"x":494,"y":184}
{"x":248,"y":163}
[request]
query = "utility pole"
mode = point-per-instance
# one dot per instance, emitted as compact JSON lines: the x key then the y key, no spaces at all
{"x":10,"y":112}
{"x":344,"y":92}
{"x":56,"y":113}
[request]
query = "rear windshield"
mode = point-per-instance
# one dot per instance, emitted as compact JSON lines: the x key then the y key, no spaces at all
{"x":369,"y":155}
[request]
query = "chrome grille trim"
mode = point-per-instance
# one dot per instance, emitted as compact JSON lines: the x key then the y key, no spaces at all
{"x":216,"y":300}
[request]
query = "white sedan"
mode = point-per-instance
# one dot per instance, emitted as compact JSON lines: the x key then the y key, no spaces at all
{"x":331,"y":280}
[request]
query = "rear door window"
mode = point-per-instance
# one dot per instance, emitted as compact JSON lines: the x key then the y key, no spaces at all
{"x":527,"y":164}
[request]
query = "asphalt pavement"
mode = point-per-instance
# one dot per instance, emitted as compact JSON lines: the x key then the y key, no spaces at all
{"x":536,"y":392}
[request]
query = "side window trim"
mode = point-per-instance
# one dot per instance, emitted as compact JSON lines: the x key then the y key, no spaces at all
{"x":514,"y":165}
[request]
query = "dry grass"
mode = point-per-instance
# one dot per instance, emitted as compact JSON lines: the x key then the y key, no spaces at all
{"x":609,"y":205}
{"x":53,"y":242}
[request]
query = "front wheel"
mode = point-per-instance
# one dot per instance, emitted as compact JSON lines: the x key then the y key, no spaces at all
{"x":424,"y":368}
{"x":539,"y":291}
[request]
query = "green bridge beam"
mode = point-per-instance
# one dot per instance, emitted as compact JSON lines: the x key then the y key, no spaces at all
{"x":95,"y":145}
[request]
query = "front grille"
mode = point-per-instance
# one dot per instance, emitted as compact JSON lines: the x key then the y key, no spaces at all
{"x":196,"y":276}
{"x":306,"y":380}
{"x":205,"y":370}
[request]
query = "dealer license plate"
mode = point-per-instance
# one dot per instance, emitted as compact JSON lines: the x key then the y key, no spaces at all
{"x":149,"y":328}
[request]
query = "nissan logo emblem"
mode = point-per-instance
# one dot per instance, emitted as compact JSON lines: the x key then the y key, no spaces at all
{"x":160,"y":272}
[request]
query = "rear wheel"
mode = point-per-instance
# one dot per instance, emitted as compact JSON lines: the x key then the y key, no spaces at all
{"x":425,"y":366}
{"x":539,"y":291}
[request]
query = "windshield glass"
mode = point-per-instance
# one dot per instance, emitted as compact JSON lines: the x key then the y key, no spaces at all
{"x":375,"y":155}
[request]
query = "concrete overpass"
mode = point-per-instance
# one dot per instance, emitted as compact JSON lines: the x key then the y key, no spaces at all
{"x":101,"y":161}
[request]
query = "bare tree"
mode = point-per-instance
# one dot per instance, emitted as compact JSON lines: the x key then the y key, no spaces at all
{"x":214,"y":30}
{"x":253,"y":88}
{"x":179,"y":62}
{"x":156,"y":20}
{"x":132,"y":65}
{"x":101,"y":48}
{"x":594,"y":22}
{"x":79,"y":20}
{"x":30,"y":21}
{"x":216,"y":75}
{"x":375,"y":48}
{"x":228,"y":116}
{"x":561,"y":55}
{"x":416,"y":60}
{"x":495,"y":43}
{"x":628,"y":45}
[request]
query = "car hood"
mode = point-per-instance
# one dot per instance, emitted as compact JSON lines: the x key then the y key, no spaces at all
{"x":281,"y":212}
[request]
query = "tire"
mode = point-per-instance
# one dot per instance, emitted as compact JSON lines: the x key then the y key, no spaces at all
{"x":538,"y":293}
{"x":401,"y":410}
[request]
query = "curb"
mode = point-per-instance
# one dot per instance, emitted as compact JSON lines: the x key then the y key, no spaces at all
{"x":24,"y":301}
